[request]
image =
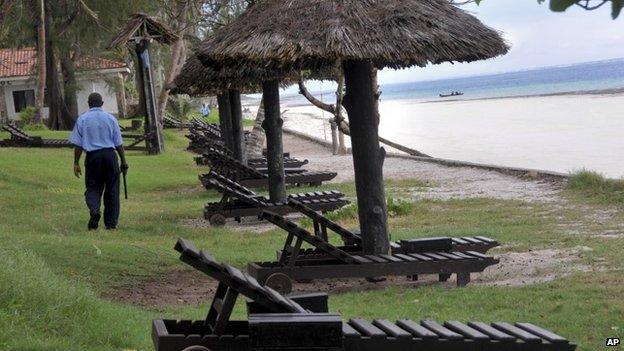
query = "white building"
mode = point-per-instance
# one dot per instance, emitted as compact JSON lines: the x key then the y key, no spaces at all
{"x":18,"y":82}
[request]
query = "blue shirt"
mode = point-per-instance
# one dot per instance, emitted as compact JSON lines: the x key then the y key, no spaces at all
{"x":96,"y":130}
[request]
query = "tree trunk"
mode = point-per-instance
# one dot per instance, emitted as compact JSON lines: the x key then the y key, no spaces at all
{"x":237,"y":124}
{"x":275,"y":150}
{"x":368,"y":157}
{"x":255,"y":141}
{"x":41,"y":63}
{"x":70,"y":84}
{"x":225,"y":119}
{"x":59,"y":118}
{"x":178,"y":56}
{"x":4,"y":116}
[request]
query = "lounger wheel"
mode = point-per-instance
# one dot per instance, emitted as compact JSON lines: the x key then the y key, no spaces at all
{"x":279,"y":282}
{"x":217,"y":220}
{"x":196,"y":348}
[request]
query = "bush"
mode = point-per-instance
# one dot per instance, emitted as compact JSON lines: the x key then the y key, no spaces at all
{"x":594,"y":186}
{"x":181,"y":107}
{"x":398,"y":207}
{"x":27,"y":115}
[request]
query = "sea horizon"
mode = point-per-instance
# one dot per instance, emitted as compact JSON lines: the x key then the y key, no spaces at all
{"x":592,"y":77}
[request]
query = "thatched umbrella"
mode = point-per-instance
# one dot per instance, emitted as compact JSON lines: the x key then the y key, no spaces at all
{"x":140,"y":30}
{"x":363,"y":34}
{"x":227,"y":84}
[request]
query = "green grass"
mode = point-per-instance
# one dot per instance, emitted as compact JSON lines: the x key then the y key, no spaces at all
{"x":595,"y":187}
{"x":53,"y":271}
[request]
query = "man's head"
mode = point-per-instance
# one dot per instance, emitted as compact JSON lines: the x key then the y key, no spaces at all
{"x":95,"y":100}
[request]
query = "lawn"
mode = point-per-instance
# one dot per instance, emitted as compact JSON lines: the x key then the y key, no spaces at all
{"x":53,"y":271}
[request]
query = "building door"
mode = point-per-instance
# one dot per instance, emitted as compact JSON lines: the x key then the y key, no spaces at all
{"x":23,"y":99}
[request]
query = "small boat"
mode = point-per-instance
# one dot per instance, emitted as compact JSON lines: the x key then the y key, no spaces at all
{"x":455,"y":93}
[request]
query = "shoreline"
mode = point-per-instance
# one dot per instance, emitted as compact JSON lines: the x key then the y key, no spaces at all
{"x":535,"y":174}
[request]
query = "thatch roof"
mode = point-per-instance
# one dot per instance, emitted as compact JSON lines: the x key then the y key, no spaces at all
{"x":391,"y":33}
{"x":143,"y":25}
{"x":196,"y":79}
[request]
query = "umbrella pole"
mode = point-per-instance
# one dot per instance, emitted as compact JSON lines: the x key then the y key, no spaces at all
{"x":368,"y":157}
{"x":225,"y":119}
{"x":237,"y":124}
{"x":275,"y":149}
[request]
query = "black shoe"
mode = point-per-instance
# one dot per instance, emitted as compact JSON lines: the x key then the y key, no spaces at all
{"x":94,"y":221}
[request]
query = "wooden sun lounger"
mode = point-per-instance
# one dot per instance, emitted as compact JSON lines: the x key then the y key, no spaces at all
{"x":253,"y":178}
{"x":213,"y":156}
{"x":175,"y":123}
{"x":278,"y":322}
{"x":338,"y":263}
{"x":353,"y":240}
{"x":238,"y":202}
{"x":20,"y":138}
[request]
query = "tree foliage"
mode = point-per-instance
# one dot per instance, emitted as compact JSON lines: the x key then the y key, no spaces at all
{"x":562,"y":5}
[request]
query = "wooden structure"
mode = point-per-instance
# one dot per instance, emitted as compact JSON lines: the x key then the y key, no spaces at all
{"x":334,"y":262}
{"x":140,"y":31}
{"x":255,"y":178}
{"x":174,"y":123}
{"x":362,"y":36}
{"x":238,"y":201}
{"x":207,"y":159}
{"x":277,"y":322}
{"x":20,"y":138}
{"x":353,"y":240}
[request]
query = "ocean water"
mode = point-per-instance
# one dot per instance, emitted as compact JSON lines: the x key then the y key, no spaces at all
{"x":520,"y":119}
{"x":590,"y":76}
{"x":551,"y":80}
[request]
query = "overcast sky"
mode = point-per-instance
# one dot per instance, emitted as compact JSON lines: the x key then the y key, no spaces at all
{"x":538,"y":38}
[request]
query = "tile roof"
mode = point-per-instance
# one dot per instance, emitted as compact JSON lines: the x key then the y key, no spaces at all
{"x":22,"y":62}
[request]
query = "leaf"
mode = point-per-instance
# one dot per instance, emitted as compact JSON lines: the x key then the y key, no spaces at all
{"x":616,"y":8}
{"x":561,"y":5}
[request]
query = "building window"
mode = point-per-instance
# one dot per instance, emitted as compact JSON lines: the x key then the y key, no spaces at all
{"x":22,"y":99}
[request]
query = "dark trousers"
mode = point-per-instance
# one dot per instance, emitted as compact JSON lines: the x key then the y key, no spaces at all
{"x":102,"y":178}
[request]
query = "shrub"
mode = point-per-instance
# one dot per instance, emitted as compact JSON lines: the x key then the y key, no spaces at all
{"x":398,"y":207}
{"x":594,"y":186}
{"x":27,"y":115}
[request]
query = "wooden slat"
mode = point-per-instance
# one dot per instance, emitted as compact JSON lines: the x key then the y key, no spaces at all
{"x":391,"y":329}
{"x":361,"y":259}
{"x":471,"y":240}
{"x":450,"y":255}
{"x":349,"y":331}
{"x":391,"y":258}
{"x":546,"y":334}
{"x":443,"y":332}
{"x":406,"y":258}
{"x":486,"y":239}
{"x":464,"y":256}
{"x":435,"y":256}
{"x":376,"y":259}
{"x":476,"y":254}
{"x":517,"y":332}
{"x":366,"y":328}
{"x":492,"y":332}
{"x":417,"y":330}
{"x":421,"y":257}
{"x":466,"y":331}
{"x":459,"y":241}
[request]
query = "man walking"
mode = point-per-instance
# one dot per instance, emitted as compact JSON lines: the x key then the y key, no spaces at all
{"x":98,"y":134}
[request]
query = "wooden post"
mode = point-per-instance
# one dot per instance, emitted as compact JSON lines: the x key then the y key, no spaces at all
{"x":225,"y":118}
{"x":237,"y":124}
{"x":272,"y":126}
{"x":121,"y":97}
{"x":334,"y":133}
{"x":152,"y":124}
{"x":4,"y":115}
{"x":368,"y":157}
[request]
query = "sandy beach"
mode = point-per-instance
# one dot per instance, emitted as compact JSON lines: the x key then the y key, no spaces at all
{"x":560,"y":133}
